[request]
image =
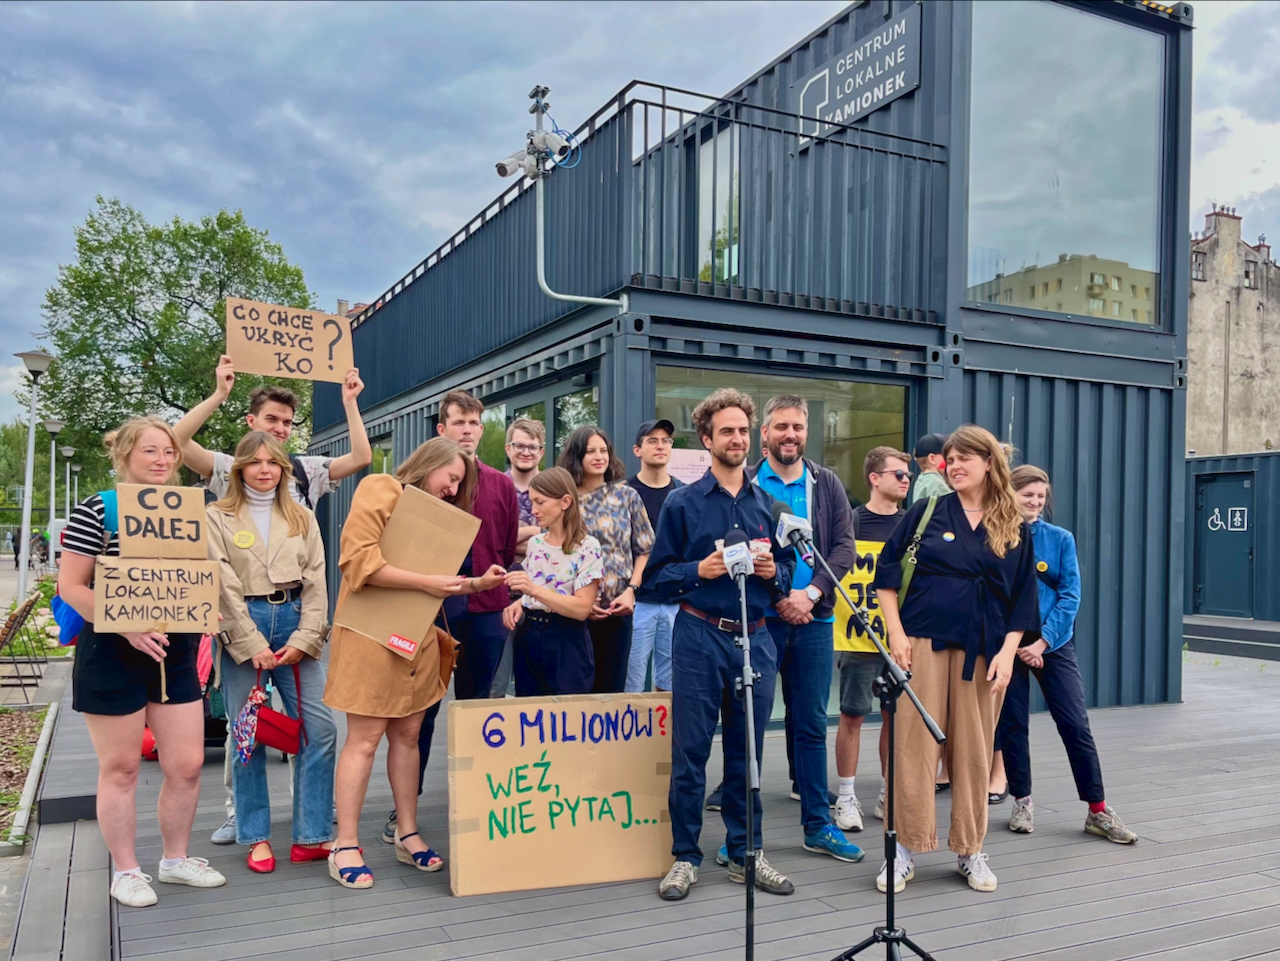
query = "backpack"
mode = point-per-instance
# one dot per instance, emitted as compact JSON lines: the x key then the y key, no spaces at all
{"x":301,"y":480}
{"x":68,"y":619}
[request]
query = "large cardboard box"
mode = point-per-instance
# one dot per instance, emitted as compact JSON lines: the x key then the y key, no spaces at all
{"x":556,"y":791}
{"x":427,"y":536}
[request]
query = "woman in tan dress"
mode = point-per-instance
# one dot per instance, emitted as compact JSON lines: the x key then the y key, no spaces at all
{"x":381,"y":692}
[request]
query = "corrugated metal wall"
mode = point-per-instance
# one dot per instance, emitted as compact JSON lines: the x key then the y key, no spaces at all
{"x":1266,"y":526}
{"x":1107,"y":451}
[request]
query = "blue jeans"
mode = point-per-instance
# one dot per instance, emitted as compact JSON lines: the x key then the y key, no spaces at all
{"x":1063,"y":689}
{"x":651,"y":634}
{"x":705,"y":664}
{"x":804,"y":660}
{"x":313,"y":771}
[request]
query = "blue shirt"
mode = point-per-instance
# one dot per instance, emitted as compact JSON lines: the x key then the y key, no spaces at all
{"x":795,"y":494}
{"x":1058,"y":570}
{"x":692,"y":520}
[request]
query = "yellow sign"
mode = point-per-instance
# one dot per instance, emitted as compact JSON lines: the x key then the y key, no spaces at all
{"x":243,"y":539}
{"x":858,"y":583}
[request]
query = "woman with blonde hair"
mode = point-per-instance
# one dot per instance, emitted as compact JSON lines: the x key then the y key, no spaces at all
{"x":551,"y":651}
{"x":957,"y":589}
{"x":274,"y":605}
{"x":383,"y":693}
{"x":123,"y":683}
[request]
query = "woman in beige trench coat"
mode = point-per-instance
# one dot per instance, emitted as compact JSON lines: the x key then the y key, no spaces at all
{"x":382,"y":692}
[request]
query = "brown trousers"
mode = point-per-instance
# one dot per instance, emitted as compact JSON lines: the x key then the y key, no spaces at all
{"x":967,"y":714}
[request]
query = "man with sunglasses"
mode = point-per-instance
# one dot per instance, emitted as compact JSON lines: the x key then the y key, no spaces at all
{"x":888,"y":475}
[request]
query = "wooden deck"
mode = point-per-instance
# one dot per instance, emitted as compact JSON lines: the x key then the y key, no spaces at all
{"x":1198,"y":781}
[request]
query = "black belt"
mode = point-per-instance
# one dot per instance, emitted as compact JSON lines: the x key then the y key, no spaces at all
{"x":279,"y":596}
{"x":551,"y":617}
{"x":721,"y":623}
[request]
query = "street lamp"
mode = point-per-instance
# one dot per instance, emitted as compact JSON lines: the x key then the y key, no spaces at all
{"x":75,"y":469}
{"x":37,"y":362}
{"x":53,"y":426}
{"x":68,"y":453}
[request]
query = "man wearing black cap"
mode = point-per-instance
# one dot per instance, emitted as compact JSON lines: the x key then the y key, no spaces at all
{"x":928,"y":455}
{"x":652,"y":624}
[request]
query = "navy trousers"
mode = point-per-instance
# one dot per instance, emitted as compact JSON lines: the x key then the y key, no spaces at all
{"x":1063,"y":689}
{"x":705,"y":664}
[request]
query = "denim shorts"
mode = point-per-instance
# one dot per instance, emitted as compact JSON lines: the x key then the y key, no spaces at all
{"x":110,"y":676}
{"x":857,"y":671}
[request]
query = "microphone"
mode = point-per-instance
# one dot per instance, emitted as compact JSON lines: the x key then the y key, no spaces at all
{"x":793,"y":530}
{"x":737,"y":555}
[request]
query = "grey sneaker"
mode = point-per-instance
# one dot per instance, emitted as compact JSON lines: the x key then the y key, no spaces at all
{"x":849,"y":814}
{"x":768,"y":878}
{"x":878,"y":813}
{"x":227,"y":833}
{"x":1022,"y":821}
{"x":389,"y":830}
{"x":978,"y":870}
{"x":675,"y":886}
{"x":1107,"y":824}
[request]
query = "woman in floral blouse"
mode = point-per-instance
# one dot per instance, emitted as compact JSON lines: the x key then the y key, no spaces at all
{"x":615,"y":516}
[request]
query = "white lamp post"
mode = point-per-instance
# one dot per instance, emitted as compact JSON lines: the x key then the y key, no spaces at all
{"x":75,"y":469}
{"x":53,"y":426}
{"x":37,"y":362}
{"x":67,"y":452}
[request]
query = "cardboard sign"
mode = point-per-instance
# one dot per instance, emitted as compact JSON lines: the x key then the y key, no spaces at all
{"x":142,"y":594}
{"x":549,"y":792}
{"x":424,"y":535}
{"x":159,"y":521}
{"x":288,"y":341}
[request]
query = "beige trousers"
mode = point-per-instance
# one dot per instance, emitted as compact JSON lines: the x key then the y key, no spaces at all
{"x":967,"y":714}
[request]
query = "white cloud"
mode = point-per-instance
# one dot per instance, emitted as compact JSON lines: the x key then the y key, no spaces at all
{"x":12,"y":380}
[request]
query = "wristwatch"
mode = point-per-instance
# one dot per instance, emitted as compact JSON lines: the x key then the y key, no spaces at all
{"x":813,"y":593}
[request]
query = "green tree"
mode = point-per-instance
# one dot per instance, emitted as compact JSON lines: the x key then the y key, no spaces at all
{"x":137,"y":320}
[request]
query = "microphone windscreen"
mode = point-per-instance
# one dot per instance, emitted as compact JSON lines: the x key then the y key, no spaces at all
{"x":735,"y":536}
{"x":779,"y":509}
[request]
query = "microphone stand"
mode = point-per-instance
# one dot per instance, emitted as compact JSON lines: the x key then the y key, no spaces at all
{"x":891,"y":685}
{"x":746,"y":687}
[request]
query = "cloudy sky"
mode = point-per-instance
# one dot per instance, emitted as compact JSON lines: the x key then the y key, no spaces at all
{"x":362,"y":135}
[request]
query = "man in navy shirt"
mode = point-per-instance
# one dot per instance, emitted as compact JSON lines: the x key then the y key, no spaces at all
{"x":687,"y":567}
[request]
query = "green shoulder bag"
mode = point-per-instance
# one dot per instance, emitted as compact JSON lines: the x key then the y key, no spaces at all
{"x":913,"y":547}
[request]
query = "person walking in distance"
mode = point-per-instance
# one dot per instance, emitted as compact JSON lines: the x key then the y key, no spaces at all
{"x":688,"y":568}
{"x":653,"y":620}
{"x":956,"y":623}
{"x":888,"y":477}
{"x":928,"y":456}
{"x":615,"y":516}
{"x":1052,"y":659}
{"x":801,"y":622}
{"x":271,"y":410}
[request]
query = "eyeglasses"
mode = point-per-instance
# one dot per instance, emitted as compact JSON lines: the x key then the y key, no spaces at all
{"x":658,"y":441}
{"x":898,"y":475}
{"x":525,"y":448}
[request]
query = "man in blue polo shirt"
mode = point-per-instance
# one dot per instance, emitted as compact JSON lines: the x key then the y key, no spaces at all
{"x":686,"y":567}
{"x":801,"y":621}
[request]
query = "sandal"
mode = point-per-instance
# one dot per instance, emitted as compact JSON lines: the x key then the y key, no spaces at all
{"x":426,"y":860}
{"x":347,"y":876}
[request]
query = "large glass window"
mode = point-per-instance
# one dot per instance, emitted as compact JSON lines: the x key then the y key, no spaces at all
{"x":492,"y":449}
{"x":846,"y":419}
{"x":575,"y":410}
{"x":1065,"y":159}
{"x":718,"y":206}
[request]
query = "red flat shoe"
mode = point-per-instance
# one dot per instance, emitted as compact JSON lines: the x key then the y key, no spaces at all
{"x":300,"y":853}
{"x":263,"y":865}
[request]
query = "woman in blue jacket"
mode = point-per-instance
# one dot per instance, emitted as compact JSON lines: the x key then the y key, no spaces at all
{"x":1053,"y":661}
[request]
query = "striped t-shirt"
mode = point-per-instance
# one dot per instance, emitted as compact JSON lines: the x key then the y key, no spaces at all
{"x":85,"y":530}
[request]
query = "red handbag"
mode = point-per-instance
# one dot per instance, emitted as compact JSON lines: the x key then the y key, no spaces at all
{"x":277,"y":729}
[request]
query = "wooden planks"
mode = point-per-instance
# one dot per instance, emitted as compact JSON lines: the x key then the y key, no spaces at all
{"x":69,"y":789}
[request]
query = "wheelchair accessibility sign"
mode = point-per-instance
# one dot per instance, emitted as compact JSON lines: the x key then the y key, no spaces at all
{"x":1237,"y":520}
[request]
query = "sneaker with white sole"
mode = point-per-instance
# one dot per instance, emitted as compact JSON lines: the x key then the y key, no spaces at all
{"x":848,"y":813}
{"x":768,"y":878}
{"x":227,"y":833}
{"x":1107,"y":824}
{"x":977,"y":869}
{"x":878,"y":813}
{"x":193,"y":871}
{"x":1023,"y":819}
{"x":675,"y":886}
{"x":904,"y":869}
{"x":133,"y":890}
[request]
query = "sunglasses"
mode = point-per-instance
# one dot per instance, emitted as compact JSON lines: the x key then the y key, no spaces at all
{"x":898,"y":475}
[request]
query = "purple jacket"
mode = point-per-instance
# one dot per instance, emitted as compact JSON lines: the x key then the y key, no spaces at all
{"x":499,"y":512}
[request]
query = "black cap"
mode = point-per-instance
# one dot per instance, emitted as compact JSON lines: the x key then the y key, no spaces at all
{"x":930,"y":444}
{"x":649,"y":426}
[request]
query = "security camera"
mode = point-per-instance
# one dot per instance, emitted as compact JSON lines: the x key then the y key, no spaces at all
{"x":553,"y":144}
{"x":514,"y":164}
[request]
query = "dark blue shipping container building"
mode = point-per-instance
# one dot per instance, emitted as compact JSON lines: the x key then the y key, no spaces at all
{"x":923,"y":214}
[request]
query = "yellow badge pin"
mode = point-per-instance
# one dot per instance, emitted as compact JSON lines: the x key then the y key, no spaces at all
{"x":1041,"y":566}
{"x":243,"y":539}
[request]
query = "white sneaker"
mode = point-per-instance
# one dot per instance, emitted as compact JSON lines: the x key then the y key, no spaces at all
{"x":879,"y":811}
{"x":848,"y":813}
{"x":133,"y":890}
{"x":904,"y":869}
{"x":193,"y":871}
{"x":978,"y":871}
